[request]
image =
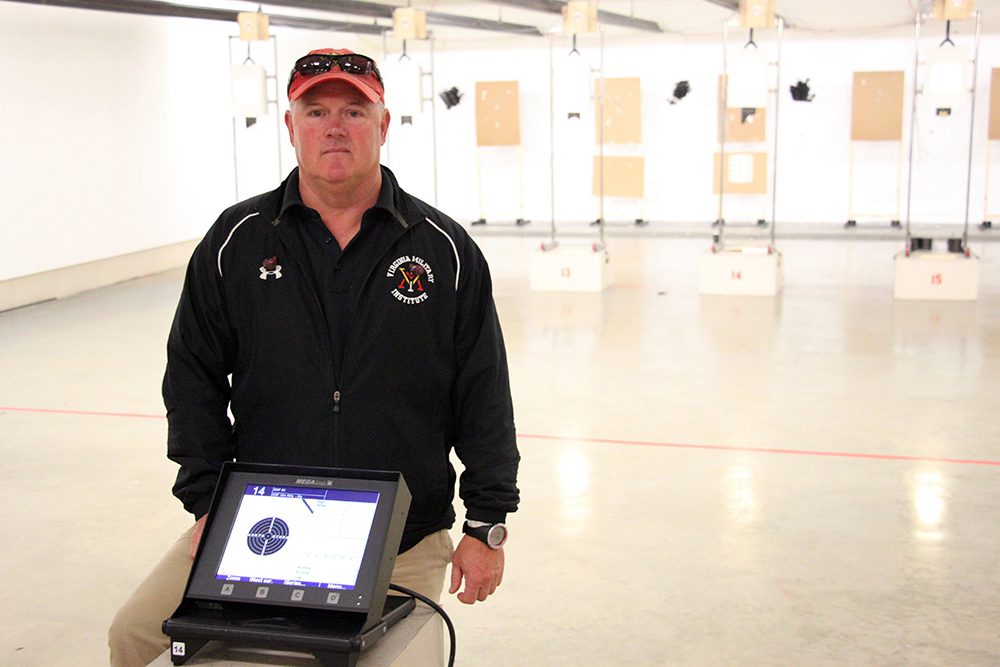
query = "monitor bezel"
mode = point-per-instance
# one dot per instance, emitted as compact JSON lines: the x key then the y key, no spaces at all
{"x":369,"y":588}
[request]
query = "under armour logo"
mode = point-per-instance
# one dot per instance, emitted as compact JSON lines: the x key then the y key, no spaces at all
{"x":270,"y":267}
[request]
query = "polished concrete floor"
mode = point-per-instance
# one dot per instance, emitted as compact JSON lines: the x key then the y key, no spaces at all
{"x":812,"y":479}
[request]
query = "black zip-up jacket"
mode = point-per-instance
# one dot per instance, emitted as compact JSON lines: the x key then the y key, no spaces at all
{"x":424,"y":371}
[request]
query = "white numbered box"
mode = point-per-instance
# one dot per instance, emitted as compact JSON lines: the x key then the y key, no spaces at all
{"x":570,"y":269}
{"x":930,"y":275}
{"x":751,"y":271}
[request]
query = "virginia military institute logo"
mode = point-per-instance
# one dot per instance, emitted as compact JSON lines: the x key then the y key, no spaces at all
{"x":410,"y":277}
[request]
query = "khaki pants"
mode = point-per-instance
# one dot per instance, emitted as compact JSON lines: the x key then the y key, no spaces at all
{"x":135,"y":637}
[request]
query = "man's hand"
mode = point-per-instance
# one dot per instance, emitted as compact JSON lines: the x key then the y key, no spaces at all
{"x":199,"y":528}
{"x":481,"y":567}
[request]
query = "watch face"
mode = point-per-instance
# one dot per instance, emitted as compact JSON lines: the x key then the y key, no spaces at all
{"x":497,"y":536}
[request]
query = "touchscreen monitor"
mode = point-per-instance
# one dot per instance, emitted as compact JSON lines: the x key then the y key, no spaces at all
{"x":301,"y":537}
{"x":298,"y":535}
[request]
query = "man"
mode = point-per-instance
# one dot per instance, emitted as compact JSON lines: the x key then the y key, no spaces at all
{"x":358,"y":328}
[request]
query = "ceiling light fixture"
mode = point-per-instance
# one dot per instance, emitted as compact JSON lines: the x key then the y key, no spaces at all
{"x":471,"y":23}
{"x":734,"y":5}
{"x":609,"y":18}
{"x":155,"y":8}
{"x":152,"y":8}
{"x":725,"y":4}
{"x":379,"y":11}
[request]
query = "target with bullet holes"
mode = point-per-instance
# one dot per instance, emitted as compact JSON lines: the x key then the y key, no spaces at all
{"x":267,"y":536}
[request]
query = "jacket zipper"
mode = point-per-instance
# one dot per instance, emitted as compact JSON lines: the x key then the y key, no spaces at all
{"x":337,"y":395}
{"x":335,"y":449}
{"x":347,"y":342}
{"x":334,"y":454}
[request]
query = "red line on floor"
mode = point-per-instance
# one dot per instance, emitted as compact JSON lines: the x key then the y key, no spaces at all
{"x":603,"y":441}
{"x":88,"y":413}
{"x":763,"y":450}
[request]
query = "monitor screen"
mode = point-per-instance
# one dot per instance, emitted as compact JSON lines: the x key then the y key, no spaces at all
{"x":298,"y":536}
{"x":304,"y":537}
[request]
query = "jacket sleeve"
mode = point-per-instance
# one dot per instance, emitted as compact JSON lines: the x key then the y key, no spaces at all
{"x":196,"y":387}
{"x":484,"y":414}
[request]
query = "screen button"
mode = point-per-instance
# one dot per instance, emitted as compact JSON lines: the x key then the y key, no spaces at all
{"x":227,"y":589}
{"x":262,"y":592}
{"x":333,"y":598}
{"x":297,"y":595}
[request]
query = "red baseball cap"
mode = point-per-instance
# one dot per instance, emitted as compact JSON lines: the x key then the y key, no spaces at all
{"x":370,"y":84}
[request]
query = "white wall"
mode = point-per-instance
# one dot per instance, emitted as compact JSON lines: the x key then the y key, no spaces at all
{"x":116,"y":135}
{"x":106,"y":144}
{"x":679,"y":140}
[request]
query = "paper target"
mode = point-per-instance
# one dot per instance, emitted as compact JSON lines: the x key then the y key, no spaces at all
{"x":267,"y":536}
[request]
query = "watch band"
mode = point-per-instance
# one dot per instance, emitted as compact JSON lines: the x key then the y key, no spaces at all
{"x":493,"y":535}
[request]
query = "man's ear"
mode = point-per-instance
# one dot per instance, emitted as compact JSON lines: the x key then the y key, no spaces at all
{"x":291,"y":128}
{"x":385,"y":124}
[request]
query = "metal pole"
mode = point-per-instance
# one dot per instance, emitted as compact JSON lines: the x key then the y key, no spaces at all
{"x":520,"y":182}
{"x":434,"y":144}
{"x":899,"y":181}
{"x":552,"y":146}
{"x":723,"y":120}
{"x":277,"y":104}
{"x":236,"y":165}
{"x":913,"y":124}
{"x":385,"y":57}
{"x":986,"y":184}
{"x":479,"y":182}
{"x":972,"y":124}
{"x":601,"y":140}
{"x":850,"y":182}
{"x":236,"y":162}
{"x":777,"y":103}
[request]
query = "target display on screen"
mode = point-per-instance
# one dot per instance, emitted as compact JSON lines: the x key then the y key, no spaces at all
{"x":267,"y":536}
{"x":298,"y":536}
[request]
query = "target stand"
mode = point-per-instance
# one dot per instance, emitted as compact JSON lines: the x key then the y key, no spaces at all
{"x":753,"y":270}
{"x":568,"y":268}
{"x":928,"y":275}
{"x":335,"y":642}
{"x":295,"y":559}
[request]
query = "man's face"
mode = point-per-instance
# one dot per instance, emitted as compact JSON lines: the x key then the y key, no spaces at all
{"x":337,"y":133}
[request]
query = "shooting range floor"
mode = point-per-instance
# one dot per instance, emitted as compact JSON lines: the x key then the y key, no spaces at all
{"x":810,"y":479}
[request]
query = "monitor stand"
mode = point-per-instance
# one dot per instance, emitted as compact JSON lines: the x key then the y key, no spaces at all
{"x":335,"y":638}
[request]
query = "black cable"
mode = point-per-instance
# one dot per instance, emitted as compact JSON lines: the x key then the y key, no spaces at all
{"x":436,"y":607}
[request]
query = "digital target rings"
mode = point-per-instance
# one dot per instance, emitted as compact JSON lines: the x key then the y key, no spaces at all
{"x":267,"y":536}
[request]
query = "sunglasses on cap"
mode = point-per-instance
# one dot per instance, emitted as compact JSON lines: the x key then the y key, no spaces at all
{"x":320,"y":63}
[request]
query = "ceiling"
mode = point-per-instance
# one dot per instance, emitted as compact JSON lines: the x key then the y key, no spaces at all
{"x":686,"y":19}
{"x":703,"y":16}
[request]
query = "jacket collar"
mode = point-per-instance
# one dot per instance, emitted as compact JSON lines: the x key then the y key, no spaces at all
{"x":390,"y":198}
